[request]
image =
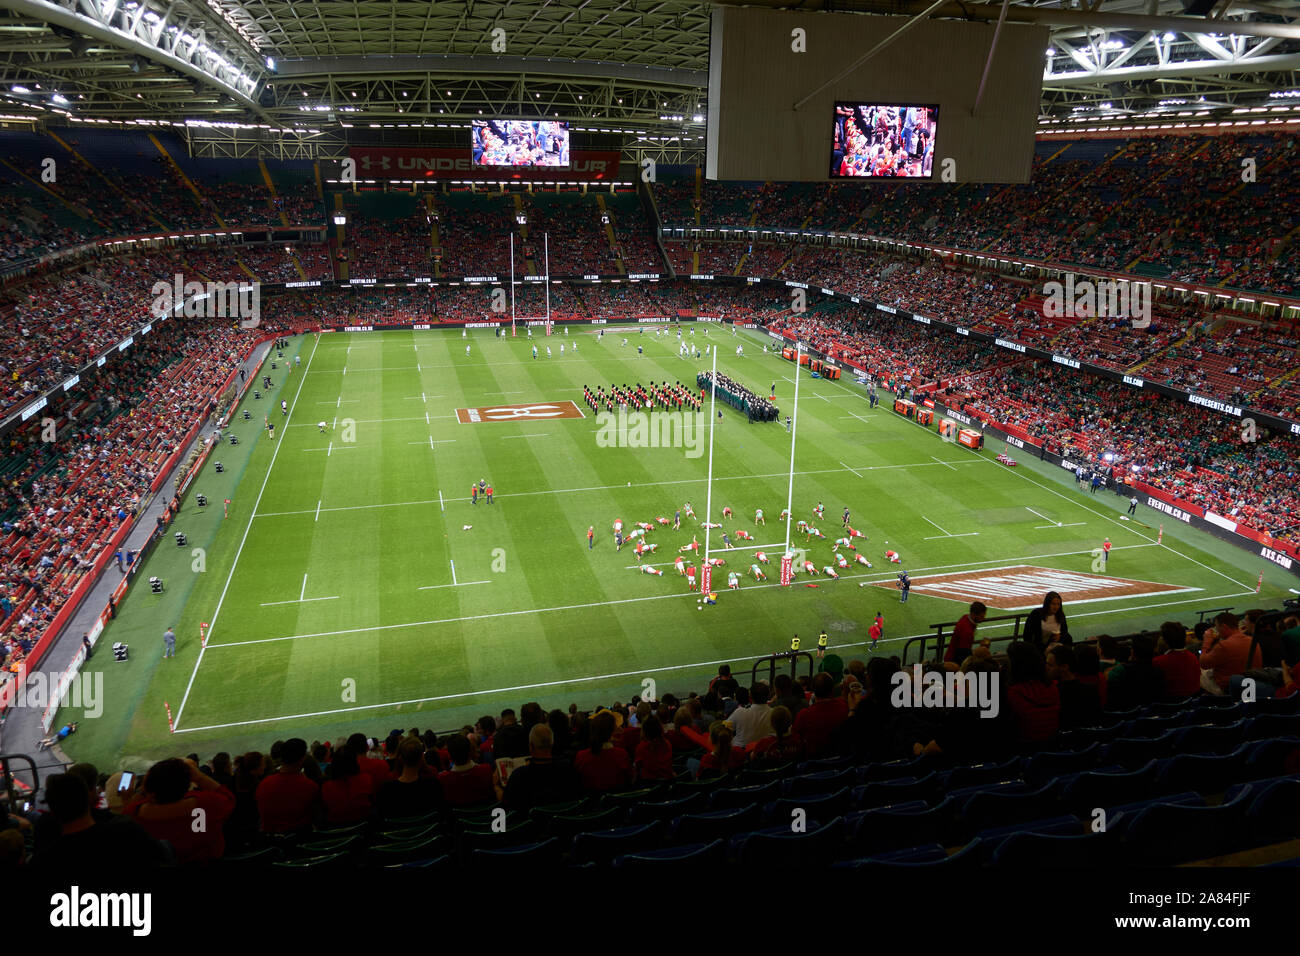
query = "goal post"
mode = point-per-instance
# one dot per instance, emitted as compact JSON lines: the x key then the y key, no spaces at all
{"x":546,"y":283}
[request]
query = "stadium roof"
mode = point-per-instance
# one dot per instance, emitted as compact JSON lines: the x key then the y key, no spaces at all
{"x":629,"y":66}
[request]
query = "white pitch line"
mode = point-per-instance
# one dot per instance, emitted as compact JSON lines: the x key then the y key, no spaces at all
{"x":329,"y":451}
{"x":318,"y":510}
{"x":334,"y":597}
{"x":1073,"y":524}
{"x":856,"y":473}
{"x":432,"y":447}
{"x":641,"y":672}
{"x":542,"y":435}
{"x":858,"y":417}
{"x":640,"y":484}
{"x":453,"y":572}
{"x":336,"y":422}
{"x":937,"y":537}
{"x":932,"y":458}
{"x":375,"y":421}
{"x":339,"y":403}
{"x":1039,"y":513}
{"x":303,"y":593}
{"x":1122,"y":524}
{"x":574,"y":607}
{"x":503,"y":393}
{"x":426,"y":418}
{"x":946,"y":535}
{"x":238,"y":551}
{"x":462,"y":584}
{"x":441,"y":506}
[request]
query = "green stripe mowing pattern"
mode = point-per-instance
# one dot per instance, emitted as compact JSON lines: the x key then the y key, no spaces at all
{"x":349,"y":617}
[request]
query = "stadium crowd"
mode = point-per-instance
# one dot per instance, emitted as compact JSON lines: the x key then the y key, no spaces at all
{"x":1194,"y":454}
{"x":63,"y":500}
{"x":418,"y":795}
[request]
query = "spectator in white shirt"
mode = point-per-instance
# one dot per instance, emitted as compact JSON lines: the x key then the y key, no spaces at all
{"x":752,"y":717}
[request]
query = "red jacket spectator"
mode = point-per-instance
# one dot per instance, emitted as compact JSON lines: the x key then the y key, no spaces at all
{"x":654,"y":754}
{"x":286,"y":800}
{"x":348,"y":795}
{"x":1227,"y":654}
{"x":466,"y":783}
{"x":818,"y":721}
{"x":963,"y":634}
{"x":603,"y":766}
{"x":606,"y":769}
{"x":1037,"y":709}
{"x":167,"y":810}
{"x":1182,"y":673}
{"x":466,"y":787}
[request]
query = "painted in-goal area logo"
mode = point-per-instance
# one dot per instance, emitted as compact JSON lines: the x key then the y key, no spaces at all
{"x":1021,"y":588}
{"x":518,"y":413}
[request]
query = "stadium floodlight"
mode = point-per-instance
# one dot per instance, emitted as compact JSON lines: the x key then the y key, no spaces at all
{"x":270,"y":63}
{"x":21,"y":90}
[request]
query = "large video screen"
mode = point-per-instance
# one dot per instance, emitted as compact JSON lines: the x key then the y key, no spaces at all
{"x":883,"y":139}
{"x":520,"y":143}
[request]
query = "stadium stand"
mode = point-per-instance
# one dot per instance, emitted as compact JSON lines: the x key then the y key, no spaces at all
{"x":653,"y":783}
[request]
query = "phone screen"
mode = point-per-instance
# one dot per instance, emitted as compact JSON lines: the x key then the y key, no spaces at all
{"x":125,"y":783}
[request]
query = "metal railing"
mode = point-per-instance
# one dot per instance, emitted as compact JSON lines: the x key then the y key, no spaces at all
{"x":771,"y":661}
{"x":940,"y":642}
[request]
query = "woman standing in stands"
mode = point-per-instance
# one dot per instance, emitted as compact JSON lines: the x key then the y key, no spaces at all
{"x":1046,"y":625}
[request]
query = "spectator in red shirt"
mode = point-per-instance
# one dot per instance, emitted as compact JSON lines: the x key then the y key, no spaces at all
{"x":1180,"y":667}
{"x":654,"y":754}
{"x":374,"y":767}
{"x":1227,"y":650}
{"x":177,"y":795}
{"x":467,"y":783}
{"x":782,"y":744}
{"x":1034,"y":700}
{"x":723,"y":758}
{"x":603,"y":766}
{"x":818,"y":721}
{"x":963,"y":636}
{"x":349,"y":792}
{"x":286,"y":800}
{"x":1087,"y":667}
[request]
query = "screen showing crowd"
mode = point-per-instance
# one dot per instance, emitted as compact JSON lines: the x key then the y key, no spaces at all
{"x":877,"y":139}
{"x":520,"y":143}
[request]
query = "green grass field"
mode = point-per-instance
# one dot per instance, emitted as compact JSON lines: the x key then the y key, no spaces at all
{"x":330,"y":591}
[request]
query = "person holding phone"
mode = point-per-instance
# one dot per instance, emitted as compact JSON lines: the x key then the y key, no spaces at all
{"x":176,"y":795}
